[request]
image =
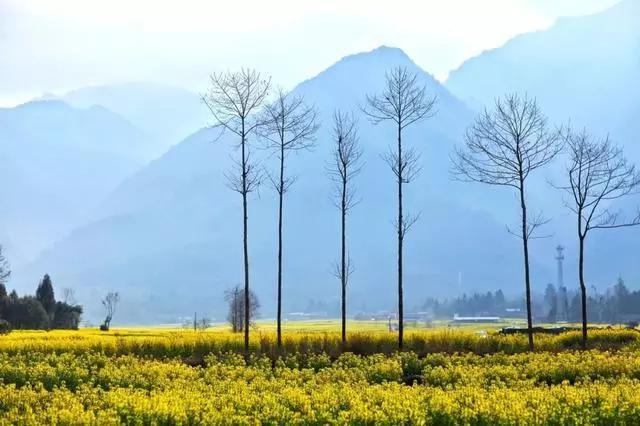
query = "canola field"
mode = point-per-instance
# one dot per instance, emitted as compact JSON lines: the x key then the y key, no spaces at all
{"x":445,"y":377}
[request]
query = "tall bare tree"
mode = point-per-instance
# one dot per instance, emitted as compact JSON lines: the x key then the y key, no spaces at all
{"x":503,"y":147}
{"x":234,"y":100}
{"x":402,"y":102}
{"x":290,"y":126}
{"x":344,"y":166}
{"x":5,"y":269}
{"x":597,"y":175}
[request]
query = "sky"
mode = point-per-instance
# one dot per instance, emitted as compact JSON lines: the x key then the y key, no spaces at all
{"x":55,"y":46}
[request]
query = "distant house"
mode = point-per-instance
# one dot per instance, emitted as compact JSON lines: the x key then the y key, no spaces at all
{"x":471,"y":320}
{"x":375,"y":316}
{"x":299,"y":316}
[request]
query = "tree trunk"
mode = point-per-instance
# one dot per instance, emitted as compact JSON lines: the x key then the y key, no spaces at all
{"x":343,"y":265}
{"x":527,"y":280}
{"x":583,"y":293}
{"x":245,"y":243}
{"x":400,"y":241}
{"x":281,"y":195}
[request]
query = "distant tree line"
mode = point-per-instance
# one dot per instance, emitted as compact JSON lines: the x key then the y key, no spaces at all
{"x":39,"y":312}
{"x":616,"y":305}
{"x":476,"y":304}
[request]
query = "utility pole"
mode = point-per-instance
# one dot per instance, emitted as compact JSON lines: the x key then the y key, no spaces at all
{"x":560,"y":259}
{"x":563,"y":314}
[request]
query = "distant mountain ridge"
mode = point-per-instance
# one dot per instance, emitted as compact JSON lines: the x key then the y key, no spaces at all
{"x":166,"y":113}
{"x":59,"y":162}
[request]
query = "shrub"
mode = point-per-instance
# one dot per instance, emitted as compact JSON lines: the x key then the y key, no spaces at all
{"x":5,"y":327}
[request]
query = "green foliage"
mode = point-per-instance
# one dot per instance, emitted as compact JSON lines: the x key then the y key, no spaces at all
{"x":27,"y":313}
{"x":39,"y":312}
{"x":44,"y":293}
{"x":66,"y":316}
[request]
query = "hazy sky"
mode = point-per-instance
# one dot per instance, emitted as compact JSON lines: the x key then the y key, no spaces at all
{"x":54,"y":46}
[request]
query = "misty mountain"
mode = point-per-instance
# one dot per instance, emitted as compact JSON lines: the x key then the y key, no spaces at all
{"x":58,"y":162}
{"x":167,"y":114}
{"x":584,"y":69}
{"x":169,"y":237}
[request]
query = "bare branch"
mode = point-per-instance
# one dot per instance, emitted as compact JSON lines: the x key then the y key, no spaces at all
{"x":288,"y":125}
{"x":234,"y":98}
{"x":346,"y":161}
{"x":402,"y":101}
{"x":598,"y":174}
{"x":349,"y":270}
{"x":505,"y":145}
{"x":407,"y":223}
{"x":5,"y":268}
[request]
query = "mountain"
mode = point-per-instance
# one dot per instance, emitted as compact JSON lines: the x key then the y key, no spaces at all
{"x":167,"y":114}
{"x":58,"y":162}
{"x":169,"y":237}
{"x":584,"y":69}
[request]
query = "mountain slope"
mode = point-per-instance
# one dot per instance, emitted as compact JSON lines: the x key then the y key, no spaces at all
{"x":584,"y":69}
{"x":168,"y":238}
{"x":168,"y":114}
{"x":58,"y":162}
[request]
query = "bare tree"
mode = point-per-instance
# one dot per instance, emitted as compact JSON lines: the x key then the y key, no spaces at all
{"x":234,"y":99}
{"x":597,"y":175}
{"x":201,"y":324}
{"x":236,"y":315}
{"x":344,"y":166}
{"x":110,"y":302}
{"x":403,"y":102}
{"x":503,"y":147}
{"x":290,"y":126}
{"x":5,"y":268}
{"x":68,"y":296}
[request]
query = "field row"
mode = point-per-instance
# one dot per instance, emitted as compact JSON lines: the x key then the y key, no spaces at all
{"x":591,"y":387}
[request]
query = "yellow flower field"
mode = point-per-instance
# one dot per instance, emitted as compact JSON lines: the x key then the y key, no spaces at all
{"x":445,"y":378}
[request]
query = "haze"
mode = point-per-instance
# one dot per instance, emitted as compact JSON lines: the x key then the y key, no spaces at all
{"x":63,"y":45}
